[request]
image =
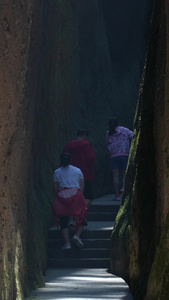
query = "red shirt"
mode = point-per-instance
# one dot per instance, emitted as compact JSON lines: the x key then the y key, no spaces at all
{"x":82,"y":156}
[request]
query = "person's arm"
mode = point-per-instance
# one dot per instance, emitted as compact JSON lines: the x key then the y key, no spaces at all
{"x":55,"y":188}
{"x":82,"y":184}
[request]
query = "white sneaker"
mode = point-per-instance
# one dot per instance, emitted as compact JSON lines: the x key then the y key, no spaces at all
{"x":77,"y":241}
{"x":66,"y":246}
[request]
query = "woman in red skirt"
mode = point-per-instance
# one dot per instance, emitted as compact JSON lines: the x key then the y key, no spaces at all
{"x":68,"y":182}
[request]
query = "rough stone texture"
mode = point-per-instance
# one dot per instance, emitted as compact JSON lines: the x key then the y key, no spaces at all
{"x":16,"y":115}
{"x":140,"y":237}
{"x":127,"y":27}
{"x":15,"y":145}
{"x":55,"y":76}
{"x":42,"y":104}
{"x":78,"y":79}
{"x":81,"y":82}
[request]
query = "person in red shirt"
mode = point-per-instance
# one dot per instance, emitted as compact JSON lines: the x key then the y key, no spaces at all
{"x":83,"y":157}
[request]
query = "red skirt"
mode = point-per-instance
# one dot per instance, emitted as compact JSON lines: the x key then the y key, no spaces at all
{"x":70,"y":202}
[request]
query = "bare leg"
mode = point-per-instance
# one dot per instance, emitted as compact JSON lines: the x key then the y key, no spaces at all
{"x":71,"y":222}
{"x":122,"y":174}
{"x":79,"y":231}
{"x":116,"y":181}
{"x":88,"y":203}
{"x":65,"y":233}
{"x":76,"y":238}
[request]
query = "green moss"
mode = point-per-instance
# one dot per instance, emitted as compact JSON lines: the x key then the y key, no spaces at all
{"x":18,"y":279}
{"x":11,"y":284}
{"x":6,"y":279}
{"x":122,"y":225}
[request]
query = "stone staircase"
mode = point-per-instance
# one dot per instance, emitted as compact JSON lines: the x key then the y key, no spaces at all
{"x":95,"y":236}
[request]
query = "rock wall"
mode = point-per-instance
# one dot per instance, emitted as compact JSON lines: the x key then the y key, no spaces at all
{"x":43,"y":102}
{"x":55,"y":76}
{"x":127,"y":28}
{"x":78,"y":79}
{"x":20,"y":37}
{"x":140,"y":238}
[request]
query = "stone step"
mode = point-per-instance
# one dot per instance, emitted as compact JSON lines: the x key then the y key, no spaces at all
{"x":101,"y":216}
{"x":95,"y":236}
{"x":104,"y":208}
{"x":79,"y":253}
{"x":89,"y":243}
{"x":79,"y":263}
{"x":86,"y":234}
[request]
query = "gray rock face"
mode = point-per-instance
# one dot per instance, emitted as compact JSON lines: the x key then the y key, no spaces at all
{"x":140,"y":238}
{"x":57,"y":74}
{"x":93,"y":59}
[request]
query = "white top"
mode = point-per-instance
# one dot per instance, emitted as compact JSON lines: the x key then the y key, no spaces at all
{"x":68,"y":176}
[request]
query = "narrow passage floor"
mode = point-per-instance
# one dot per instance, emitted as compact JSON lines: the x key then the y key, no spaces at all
{"x":81,"y":284}
{"x":78,"y":275}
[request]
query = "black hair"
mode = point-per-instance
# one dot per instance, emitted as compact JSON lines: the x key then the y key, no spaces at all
{"x":113,"y":123}
{"x":82,"y":131}
{"x":65,"y":159}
